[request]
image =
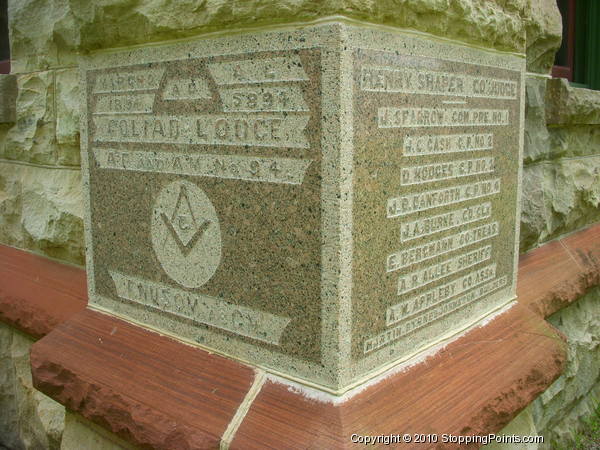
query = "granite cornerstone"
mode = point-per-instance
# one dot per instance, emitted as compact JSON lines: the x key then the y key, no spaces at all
{"x":321,"y":202}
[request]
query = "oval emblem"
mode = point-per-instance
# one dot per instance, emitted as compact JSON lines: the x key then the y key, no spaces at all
{"x":186,"y":235}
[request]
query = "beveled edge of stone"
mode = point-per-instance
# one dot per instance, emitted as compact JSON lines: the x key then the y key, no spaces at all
{"x":553,"y":276}
{"x":326,"y":21}
{"x":146,"y":388}
{"x":523,"y":356}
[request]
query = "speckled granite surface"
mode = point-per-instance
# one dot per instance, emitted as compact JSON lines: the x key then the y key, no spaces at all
{"x":320,"y":201}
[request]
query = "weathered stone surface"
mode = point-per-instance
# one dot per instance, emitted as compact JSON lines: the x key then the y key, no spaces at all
{"x":558,"y":197}
{"x":9,"y":405}
{"x":67,"y":116}
{"x":562,"y":162}
{"x":42,"y":210}
{"x":536,"y":142}
{"x":47,"y":34}
{"x":8,"y":98}
{"x":11,"y":229}
{"x":568,"y":105}
{"x":481,"y":21}
{"x":42,"y":34}
{"x":82,"y":434}
{"x":28,"y":419}
{"x":576,"y":393}
{"x":522,"y":425}
{"x":543,"y":25}
{"x":32,"y":138}
{"x":573,"y":141}
{"x":52,"y":212}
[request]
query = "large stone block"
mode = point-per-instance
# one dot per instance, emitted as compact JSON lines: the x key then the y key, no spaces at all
{"x":323,"y":201}
{"x":9,"y":405}
{"x":537,"y":140}
{"x":568,"y":105}
{"x":8,"y":98}
{"x":574,"y":141}
{"x":32,"y":138}
{"x":559,"y":196}
{"x":522,"y":425}
{"x":543,"y":24}
{"x":42,"y":210}
{"x":11,"y":229}
{"x":561,"y":156}
{"x":52,"y":212}
{"x":82,"y":434}
{"x":43,"y":35}
{"x":47,"y":119}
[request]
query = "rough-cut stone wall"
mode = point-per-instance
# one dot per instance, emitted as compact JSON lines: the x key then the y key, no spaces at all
{"x":82,"y":434}
{"x":561,"y":172}
{"x":561,"y":158}
{"x":558,"y":411}
{"x":47,"y":34}
{"x":40,"y":183}
{"x":28,"y":419}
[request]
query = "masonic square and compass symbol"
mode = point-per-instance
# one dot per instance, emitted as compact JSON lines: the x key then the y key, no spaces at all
{"x":183,"y":226}
{"x":186,"y":234}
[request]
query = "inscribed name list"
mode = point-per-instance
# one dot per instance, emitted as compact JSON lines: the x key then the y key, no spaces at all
{"x":439,"y":143}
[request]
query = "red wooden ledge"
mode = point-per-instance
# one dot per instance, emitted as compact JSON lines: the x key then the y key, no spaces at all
{"x":148,"y":389}
{"x":157,"y":392}
{"x":36,"y":293}
{"x":558,"y":273}
{"x":474,"y":386}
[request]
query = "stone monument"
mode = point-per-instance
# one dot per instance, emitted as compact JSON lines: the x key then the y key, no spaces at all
{"x":323,"y":202}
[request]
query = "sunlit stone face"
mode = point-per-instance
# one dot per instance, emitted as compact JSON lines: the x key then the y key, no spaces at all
{"x":319,"y":202}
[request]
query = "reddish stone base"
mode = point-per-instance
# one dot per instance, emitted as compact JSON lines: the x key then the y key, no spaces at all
{"x":157,"y":392}
{"x":36,"y":293}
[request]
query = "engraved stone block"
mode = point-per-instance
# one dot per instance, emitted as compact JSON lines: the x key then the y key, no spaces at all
{"x":321,"y":202}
